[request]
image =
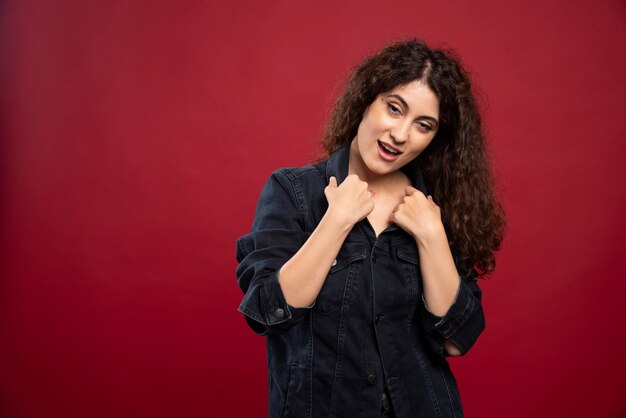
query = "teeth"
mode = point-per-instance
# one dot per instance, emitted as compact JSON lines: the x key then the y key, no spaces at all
{"x":389,"y":149}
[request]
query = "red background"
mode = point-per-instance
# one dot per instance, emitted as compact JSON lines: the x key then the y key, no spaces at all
{"x":136,"y":136}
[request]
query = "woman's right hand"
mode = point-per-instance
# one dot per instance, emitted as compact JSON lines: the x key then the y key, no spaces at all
{"x":349,"y":202}
{"x":302,"y":277}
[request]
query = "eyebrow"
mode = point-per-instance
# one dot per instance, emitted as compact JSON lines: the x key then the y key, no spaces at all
{"x":406,"y":106}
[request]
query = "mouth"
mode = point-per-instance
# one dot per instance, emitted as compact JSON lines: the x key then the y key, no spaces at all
{"x":388,"y":152}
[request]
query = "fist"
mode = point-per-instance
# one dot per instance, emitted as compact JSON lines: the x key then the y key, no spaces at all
{"x":417,"y":214}
{"x":349,"y":202}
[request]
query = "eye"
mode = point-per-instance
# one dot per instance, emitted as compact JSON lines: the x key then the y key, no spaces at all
{"x":424,"y":127}
{"x":393,"y":109}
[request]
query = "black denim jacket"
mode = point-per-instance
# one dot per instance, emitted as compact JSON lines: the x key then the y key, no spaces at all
{"x":368,"y":327}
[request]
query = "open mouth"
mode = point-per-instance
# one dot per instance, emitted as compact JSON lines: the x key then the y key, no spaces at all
{"x":388,"y":149}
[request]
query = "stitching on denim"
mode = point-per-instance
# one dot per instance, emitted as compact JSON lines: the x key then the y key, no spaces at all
{"x":431,"y":390}
{"x":410,"y":318}
{"x":297,"y":189}
{"x":352,"y":259}
{"x":251,"y":315}
{"x":309,"y":404}
{"x":421,"y":362}
{"x":241,"y":246}
{"x":402,"y":255}
{"x":327,"y":172}
{"x":296,"y":192}
{"x":350,"y":266}
{"x":291,"y":388}
{"x":295,"y":173}
{"x":300,"y":198}
{"x":259,"y":318}
{"x":457,"y":321}
{"x":459,"y":344}
{"x":340,"y":338}
{"x":445,"y":382}
{"x":462,"y":318}
{"x":276,"y":303}
{"x":412,"y":275}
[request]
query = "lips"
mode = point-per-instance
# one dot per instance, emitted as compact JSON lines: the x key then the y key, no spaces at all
{"x":388,"y":152}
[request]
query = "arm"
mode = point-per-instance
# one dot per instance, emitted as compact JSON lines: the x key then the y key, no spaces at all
{"x":303,"y":276}
{"x":459,"y":328}
{"x":315,"y":258}
{"x":453,"y":315}
{"x":440,"y":278}
{"x":276,"y":234}
{"x":282,"y":270}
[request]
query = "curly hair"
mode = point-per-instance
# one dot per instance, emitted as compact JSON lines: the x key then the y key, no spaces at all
{"x":456,"y":164}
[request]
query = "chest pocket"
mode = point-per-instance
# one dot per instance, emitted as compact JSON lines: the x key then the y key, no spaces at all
{"x":408,"y":258}
{"x":341,"y":284}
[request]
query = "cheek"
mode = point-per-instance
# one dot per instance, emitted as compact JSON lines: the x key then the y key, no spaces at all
{"x":364,"y":134}
{"x":373,"y":123}
{"x":421,"y":145}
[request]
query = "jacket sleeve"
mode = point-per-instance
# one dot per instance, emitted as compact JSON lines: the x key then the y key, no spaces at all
{"x":464,"y":321}
{"x":277,"y":234}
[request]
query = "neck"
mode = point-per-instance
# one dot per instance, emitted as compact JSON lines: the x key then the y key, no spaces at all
{"x":357,"y":166}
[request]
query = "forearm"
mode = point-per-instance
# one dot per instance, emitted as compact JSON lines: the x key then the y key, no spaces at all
{"x":440,"y":278}
{"x":302,"y":277}
{"x":453,"y":315}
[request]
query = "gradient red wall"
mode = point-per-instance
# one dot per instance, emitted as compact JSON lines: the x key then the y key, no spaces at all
{"x":136,"y":136}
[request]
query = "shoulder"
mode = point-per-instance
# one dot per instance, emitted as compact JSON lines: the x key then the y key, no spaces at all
{"x":309,"y":171}
{"x":297,"y":190}
{"x":301,"y":178}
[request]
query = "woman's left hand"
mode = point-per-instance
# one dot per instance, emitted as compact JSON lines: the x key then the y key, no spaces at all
{"x":418,"y":215}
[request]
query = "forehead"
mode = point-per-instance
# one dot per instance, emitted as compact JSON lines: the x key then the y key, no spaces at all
{"x":418,"y":97}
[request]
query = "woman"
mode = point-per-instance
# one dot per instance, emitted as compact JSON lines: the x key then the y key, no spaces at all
{"x":361,"y":270}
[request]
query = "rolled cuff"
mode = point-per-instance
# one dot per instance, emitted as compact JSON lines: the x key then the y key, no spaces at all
{"x":266,"y":309}
{"x":461,"y":324}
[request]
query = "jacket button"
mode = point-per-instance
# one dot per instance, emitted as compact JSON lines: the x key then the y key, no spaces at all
{"x":374,"y":258}
{"x":334,"y":262}
{"x":280,"y":312}
{"x":371,"y":379}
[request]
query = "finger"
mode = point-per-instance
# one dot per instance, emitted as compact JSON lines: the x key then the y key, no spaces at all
{"x":409,"y":190}
{"x":332,"y":182}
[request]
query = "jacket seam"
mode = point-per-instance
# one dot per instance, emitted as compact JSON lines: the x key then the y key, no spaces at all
{"x":443,"y":377}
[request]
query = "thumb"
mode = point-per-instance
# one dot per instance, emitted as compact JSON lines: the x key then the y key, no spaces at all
{"x":409,"y":190}
{"x":332,"y":182}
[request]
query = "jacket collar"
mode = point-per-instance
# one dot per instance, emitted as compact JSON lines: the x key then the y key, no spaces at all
{"x":337,"y":166}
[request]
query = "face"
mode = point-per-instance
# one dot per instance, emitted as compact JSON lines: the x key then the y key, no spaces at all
{"x":397,"y":127}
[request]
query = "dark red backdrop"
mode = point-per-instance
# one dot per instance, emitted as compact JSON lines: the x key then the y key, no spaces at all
{"x":136,"y":136}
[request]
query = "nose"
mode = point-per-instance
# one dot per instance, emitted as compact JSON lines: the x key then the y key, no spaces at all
{"x":400,"y":132}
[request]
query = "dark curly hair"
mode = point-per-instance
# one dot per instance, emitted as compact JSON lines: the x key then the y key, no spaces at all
{"x":455,"y":165}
